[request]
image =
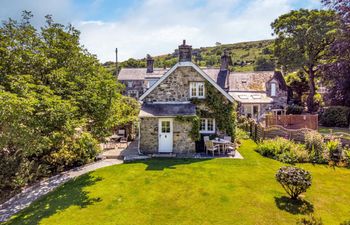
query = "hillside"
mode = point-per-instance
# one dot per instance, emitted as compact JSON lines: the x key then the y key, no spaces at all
{"x":246,"y":56}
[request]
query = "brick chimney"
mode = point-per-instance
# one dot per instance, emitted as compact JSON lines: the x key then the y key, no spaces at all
{"x":225,"y":61}
{"x":185,"y":52}
{"x":150,"y":62}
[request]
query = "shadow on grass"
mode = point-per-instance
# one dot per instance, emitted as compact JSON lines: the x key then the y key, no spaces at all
{"x":164,"y":163}
{"x":294,"y":206}
{"x":69,"y":194}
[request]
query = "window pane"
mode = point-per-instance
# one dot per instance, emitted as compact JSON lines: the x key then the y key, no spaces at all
{"x":200,"y":89}
{"x":273,"y":89}
{"x":202,"y":125}
{"x":210,"y":125}
{"x":255,"y":110}
{"x":165,"y":126}
{"x":193,"y":89}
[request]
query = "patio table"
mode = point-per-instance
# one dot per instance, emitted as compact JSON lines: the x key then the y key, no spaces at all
{"x":221,"y":143}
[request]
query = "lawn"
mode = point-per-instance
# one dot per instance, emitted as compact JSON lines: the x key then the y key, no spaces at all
{"x":175,"y":191}
{"x":327,"y":130}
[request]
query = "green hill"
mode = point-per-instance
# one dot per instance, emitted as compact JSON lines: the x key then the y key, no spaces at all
{"x":246,"y":56}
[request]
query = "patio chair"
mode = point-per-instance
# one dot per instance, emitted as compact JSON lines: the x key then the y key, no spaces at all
{"x":229,"y":146}
{"x":209,"y":146}
{"x":205,"y":139}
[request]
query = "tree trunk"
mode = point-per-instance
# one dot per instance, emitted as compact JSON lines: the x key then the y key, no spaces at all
{"x":310,"y":99}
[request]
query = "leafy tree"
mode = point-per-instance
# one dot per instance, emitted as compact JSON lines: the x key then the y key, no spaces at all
{"x":293,"y":180}
{"x":298,"y":82}
{"x":337,"y":70}
{"x":303,"y":38}
{"x":56,"y":102}
{"x":133,"y":63}
{"x":263,"y":64}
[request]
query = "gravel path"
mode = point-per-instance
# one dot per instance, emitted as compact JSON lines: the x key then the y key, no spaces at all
{"x":30,"y":194}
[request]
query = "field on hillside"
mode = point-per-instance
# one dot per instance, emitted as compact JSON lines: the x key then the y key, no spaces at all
{"x":244,"y":56}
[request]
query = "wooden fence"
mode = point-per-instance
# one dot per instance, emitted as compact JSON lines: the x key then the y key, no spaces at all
{"x":293,"y":121}
{"x":259,"y":133}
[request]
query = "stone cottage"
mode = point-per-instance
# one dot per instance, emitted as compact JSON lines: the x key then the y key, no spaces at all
{"x":185,"y":91}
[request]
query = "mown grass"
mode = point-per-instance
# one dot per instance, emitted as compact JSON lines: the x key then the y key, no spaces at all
{"x":180,"y":191}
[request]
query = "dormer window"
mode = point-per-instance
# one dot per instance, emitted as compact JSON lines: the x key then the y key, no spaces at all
{"x":129,"y":84}
{"x":197,"y":89}
{"x":273,"y":89}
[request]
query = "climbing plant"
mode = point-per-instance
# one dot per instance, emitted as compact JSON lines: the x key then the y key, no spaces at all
{"x":217,"y":106}
{"x":194,"y":133}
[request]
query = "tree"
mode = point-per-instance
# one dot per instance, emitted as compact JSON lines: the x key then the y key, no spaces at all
{"x":303,"y":38}
{"x":263,"y":64}
{"x":298,"y":83}
{"x":337,"y":70}
{"x":57,"y":102}
{"x":293,"y":180}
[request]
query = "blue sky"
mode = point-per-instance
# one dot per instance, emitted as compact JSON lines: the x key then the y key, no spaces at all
{"x":140,"y":27}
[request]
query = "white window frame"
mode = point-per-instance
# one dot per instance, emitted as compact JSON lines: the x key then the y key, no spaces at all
{"x":151,"y":81}
{"x":251,"y":109}
{"x":129,"y":83}
{"x":206,"y":131}
{"x":131,"y":93}
{"x":196,"y":85}
{"x":273,"y":90}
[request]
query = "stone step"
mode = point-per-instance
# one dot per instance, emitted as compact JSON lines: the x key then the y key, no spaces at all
{"x":164,"y":155}
{"x":130,"y":158}
{"x":113,"y":157}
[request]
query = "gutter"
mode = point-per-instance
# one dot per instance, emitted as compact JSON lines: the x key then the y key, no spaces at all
{"x":139,"y":137}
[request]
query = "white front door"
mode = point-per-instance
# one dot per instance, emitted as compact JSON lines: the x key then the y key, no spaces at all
{"x":165,"y":137}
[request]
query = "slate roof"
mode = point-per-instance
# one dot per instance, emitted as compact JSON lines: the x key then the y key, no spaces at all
{"x":251,"y":97}
{"x":220,"y":77}
{"x":140,"y":73}
{"x":238,"y":81}
{"x":250,"y":81}
{"x":156,"y":110}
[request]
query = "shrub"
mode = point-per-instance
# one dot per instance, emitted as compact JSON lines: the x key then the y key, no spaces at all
{"x":79,"y":151}
{"x":346,"y":156}
{"x":243,"y":123}
{"x":336,"y":116}
{"x":334,"y":150}
{"x":283,"y":150}
{"x":241,"y":134}
{"x":295,"y":109}
{"x":293,"y":180}
{"x":314,"y":143}
{"x":310,"y":220}
{"x":347,"y":222}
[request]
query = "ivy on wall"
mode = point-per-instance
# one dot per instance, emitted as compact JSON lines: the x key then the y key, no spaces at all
{"x":194,"y":133}
{"x":215,"y":106}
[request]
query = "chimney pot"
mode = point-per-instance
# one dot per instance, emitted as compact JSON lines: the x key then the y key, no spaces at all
{"x":225,"y":61}
{"x":149,"y":62}
{"x":185,"y":52}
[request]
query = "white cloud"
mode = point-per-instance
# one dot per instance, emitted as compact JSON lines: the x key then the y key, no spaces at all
{"x":158,"y":26}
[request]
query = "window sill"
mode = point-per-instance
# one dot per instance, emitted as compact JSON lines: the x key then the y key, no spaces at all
{"x":207,"y":132}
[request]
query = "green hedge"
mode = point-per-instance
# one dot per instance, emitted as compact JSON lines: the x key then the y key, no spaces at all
{"x":336,"y":116}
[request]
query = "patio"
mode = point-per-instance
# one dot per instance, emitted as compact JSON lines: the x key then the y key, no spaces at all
{"x":129,"y":152}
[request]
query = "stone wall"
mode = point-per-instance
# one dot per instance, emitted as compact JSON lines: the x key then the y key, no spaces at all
{"x":182,"y":142}
{"x":175,"y":87}
{"x":280,"y":100}
{"x":149,"y":135}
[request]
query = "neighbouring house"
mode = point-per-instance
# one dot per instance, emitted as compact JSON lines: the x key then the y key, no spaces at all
{"x":173,"y":98}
